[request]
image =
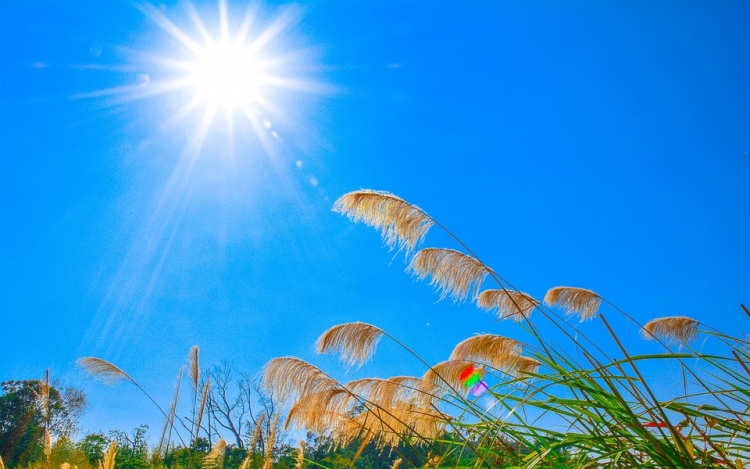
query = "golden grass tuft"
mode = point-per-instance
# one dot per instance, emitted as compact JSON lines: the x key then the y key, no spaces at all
{"x":396,"y":463}
{"x":319,"y":411}
{"x":401,"y":224}
{"x":676,"y":329}
{"x":194,"y":367}
{"x":108,"y":462}
{"x":254,"y":440}
{"x":439,"y":379}
{"x":289,"y":378}
{"x":355,"y":342}
{"x":575,"y":301}
{"x":509,"y":304}
{"x":300,"y":459}
{"x":2,"y":466}
{"x":215,"y":458}
{"x":386,"y":392}
{"x":202,"y":408}
{"x":453,"y":273}
{"x":65,"y":466}
{"x":268,"y":462}
{"x":522,"y":365}
{"x":494,"y":350}
{"x":103,"y":370}
{"x":172,"y":411}
{"x":47,"y":443}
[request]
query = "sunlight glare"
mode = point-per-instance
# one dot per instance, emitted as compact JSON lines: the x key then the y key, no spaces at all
{"x":226,"y":75}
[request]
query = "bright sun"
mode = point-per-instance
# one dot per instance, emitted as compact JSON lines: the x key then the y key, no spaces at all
{"x":226,"y":74}
{"x":239,"y":66}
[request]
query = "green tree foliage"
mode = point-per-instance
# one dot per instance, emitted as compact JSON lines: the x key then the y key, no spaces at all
{"x":22,"y":422}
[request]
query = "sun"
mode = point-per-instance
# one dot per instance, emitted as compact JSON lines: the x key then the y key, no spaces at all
{"x":241,"y":64}
{"x":226,"y":74}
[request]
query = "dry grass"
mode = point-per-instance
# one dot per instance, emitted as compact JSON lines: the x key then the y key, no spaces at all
{"x":255,"y":438}
{"x":401,"y":225}
{"x":442,"y":377}
{"x":194,"y":367}
{"x":386,"y":392}
{"x":172,"y":411}
{"x":575,"y":301}
{"x":494,"y":350}
{"x":103,"y":370}
{"x":215,"y":458}
{"x":319,"y":411}
{"x":202,"y":407}
{"x":521,"y":365}
{"x":676,"y":329}
{"x":355,"y":342}
{"x":453,"y":273}
{"x":108,"y":462}
{"x":395,"y":464}
{"x":47,"y":443}
{"x":300,"y":459}
{"x":509,"y":304}
{"x":289,"y":378}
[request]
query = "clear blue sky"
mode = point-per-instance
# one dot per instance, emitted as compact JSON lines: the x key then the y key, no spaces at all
{"x":594,"y":144}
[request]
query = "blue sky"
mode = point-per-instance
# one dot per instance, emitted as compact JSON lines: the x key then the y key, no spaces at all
{"x":601,"y":145}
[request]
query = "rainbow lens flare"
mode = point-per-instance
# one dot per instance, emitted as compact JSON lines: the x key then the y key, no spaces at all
{"x":471,"y":377}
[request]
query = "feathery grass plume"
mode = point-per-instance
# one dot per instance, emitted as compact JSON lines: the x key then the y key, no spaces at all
{"x":47,"y":443}
{"x":172,"y":410}
{"x":108,"y":462}
{"x":194,"y":367}
{"x":103,"y":370}
{"x":676,"y":329}
{"x":300,"y":459}
{"x":401,"y":224}
{"x":64,"y":466}
{"x":509,"y":304}
{"x":445,"y":375}
{"x":453,"y":273}
{"x":355,"y":342}
{"x":201,"y":408}
{"x":268,"y":462}
{"x":289,"y":378}
{"x":434,"y":461}
{"x":386,"y":392}
{"x":575,"y":301}
{"x":524,"y":365}
{"x":396,"y":463}
{"x":497,"y":351}
{"x":319,"y":411}
{"x":215,"y":458}
{"x":365,"y":441}
{"x":256,"y":436}
{"x":2,"y":466}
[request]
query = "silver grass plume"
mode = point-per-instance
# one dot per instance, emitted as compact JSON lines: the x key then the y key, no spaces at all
{"x":108,"y":462}
{"x":256,"y":436}
{"x":201,"y":408}
{"x":300,"y":459}
{"x":509,"y":304}
{"x":676,"y":329}
{"x":401,"y":224}
{"x":194,"y":367}
{"x":215,"y":458}
{"x":453,"y":273}
{"x":497,"y":351}
{"x":355,"y":342}
{"x":172,"y":410}
{"x":575,"y":301}
{"x":103,"y":370}
{"x":289,"y":378}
